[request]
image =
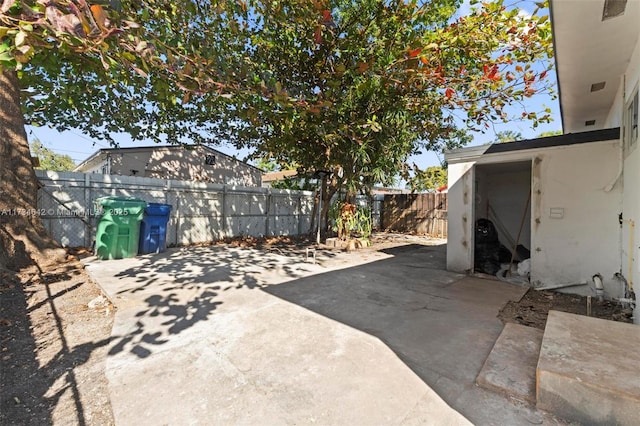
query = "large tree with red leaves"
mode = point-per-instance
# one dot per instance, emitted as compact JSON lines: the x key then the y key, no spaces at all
{"x":352,"y":87}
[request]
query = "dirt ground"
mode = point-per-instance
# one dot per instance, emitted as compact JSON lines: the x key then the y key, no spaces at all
{"x":54,"y":331}
{"x":533,"y":308}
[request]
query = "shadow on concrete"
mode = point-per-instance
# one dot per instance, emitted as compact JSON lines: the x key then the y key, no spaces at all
{"x":202,"y":272}
{"x":442,"y":325}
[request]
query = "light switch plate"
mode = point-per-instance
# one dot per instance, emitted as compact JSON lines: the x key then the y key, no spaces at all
{"x":556,"y":212}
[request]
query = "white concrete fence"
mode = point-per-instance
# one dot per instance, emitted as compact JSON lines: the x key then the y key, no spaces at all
{"x":201,"y":212}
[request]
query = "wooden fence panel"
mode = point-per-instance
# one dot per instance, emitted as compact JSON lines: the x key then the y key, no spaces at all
{"x":416,"y":213}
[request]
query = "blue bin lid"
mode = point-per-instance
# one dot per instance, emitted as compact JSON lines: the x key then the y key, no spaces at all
{"x":158,"y":209}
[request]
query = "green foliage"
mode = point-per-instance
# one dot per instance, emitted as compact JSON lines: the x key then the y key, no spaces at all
{"x":507,"y":136}
{"x":294,"y":183}
{"x":50,"y":160}
{"x":356,"y":87}
{"x":353,"y":87}
{"x":363,"y":222}
{"x":347,"y":219}
{"x":549,"y":133}
{"x":266,"y":164}
{"x":428,"y":179}
{"x":131,"y":68}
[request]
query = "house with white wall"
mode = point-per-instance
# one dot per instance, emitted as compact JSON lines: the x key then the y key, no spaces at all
{"x":192,"y":162}
{"x":573,"y":200}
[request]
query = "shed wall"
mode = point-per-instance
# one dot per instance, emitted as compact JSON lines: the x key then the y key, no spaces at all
{"x":460,"y":217}
{"x":572,"y":180}
{"x":580,"y":236}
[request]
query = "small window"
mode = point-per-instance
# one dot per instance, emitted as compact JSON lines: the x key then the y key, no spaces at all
{"x":209,"y":159}
{"x":613,"y":8}
{"x":631,"y":122}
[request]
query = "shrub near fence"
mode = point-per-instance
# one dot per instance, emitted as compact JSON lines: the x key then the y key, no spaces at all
{"x":416,"y":213}
{"x":202,"y":212}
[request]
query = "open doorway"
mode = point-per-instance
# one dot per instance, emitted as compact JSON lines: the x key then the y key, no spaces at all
{"x":502,"y":215}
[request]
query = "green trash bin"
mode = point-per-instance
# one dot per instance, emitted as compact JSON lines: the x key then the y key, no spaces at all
{"x":118,"y":230}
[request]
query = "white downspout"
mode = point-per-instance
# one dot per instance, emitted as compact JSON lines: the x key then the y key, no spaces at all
{"x":597,"y":281}
{"x":611,"y":184}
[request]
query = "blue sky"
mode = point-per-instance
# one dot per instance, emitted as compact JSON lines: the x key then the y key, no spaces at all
{"x":79,"y":146}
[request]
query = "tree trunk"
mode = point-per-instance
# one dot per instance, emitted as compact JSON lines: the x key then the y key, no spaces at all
{"x":314,"y":214}
{"x":23,"y":239}
{"x":328,"y":191}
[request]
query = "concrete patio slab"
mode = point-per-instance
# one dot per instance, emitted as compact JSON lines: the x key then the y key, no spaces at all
{"x":589,"y":370}
{"x":511,"y":365}
{"x":228,"y":335}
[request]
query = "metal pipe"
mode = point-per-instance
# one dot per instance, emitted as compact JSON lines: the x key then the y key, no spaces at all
{"x":632,"y":226}
{"x":553,"y":287}
{"x":625,"y":286}
{"x":597,"y":281}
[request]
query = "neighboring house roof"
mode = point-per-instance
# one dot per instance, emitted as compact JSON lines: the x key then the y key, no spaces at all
{"x":591,"y":48}
{"x":276,"y":176}
{"x":537,"y":143}
{"x":101,"y":153}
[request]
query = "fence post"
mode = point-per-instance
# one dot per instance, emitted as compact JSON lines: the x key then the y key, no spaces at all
{"x":177,"y":218}
{"x":268,"y":208}
{"x":88,"y":208}
{"x":299,"y":214}
{"x":224,"y":211}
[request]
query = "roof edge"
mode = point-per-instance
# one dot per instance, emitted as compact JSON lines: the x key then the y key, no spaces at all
{"x":182,"y":146}
{"x":537,"y":143}
{"x":555,"y":63}
{"x":88,"y":160}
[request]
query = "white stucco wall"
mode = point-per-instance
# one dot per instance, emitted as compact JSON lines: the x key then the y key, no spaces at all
{"x":585,"y":240}
{"x":630,"y":242}
{"x":632,"y":73}
{"x":570,"y":249}
{"x":614,"y":118}
{"x":631,"y":199}
{"x":630,"y":233}
{"x":626,"y":84}
{"x":460,"y":217}
{"x":176,"y":163}
{"x":95,"y":169}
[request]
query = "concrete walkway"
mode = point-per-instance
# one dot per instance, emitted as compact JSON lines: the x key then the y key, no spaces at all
{"x":227,"y":335}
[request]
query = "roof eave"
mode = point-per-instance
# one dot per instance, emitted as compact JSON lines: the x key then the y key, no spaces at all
{"x":567,"y":139}
{"x":555,"y":63}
